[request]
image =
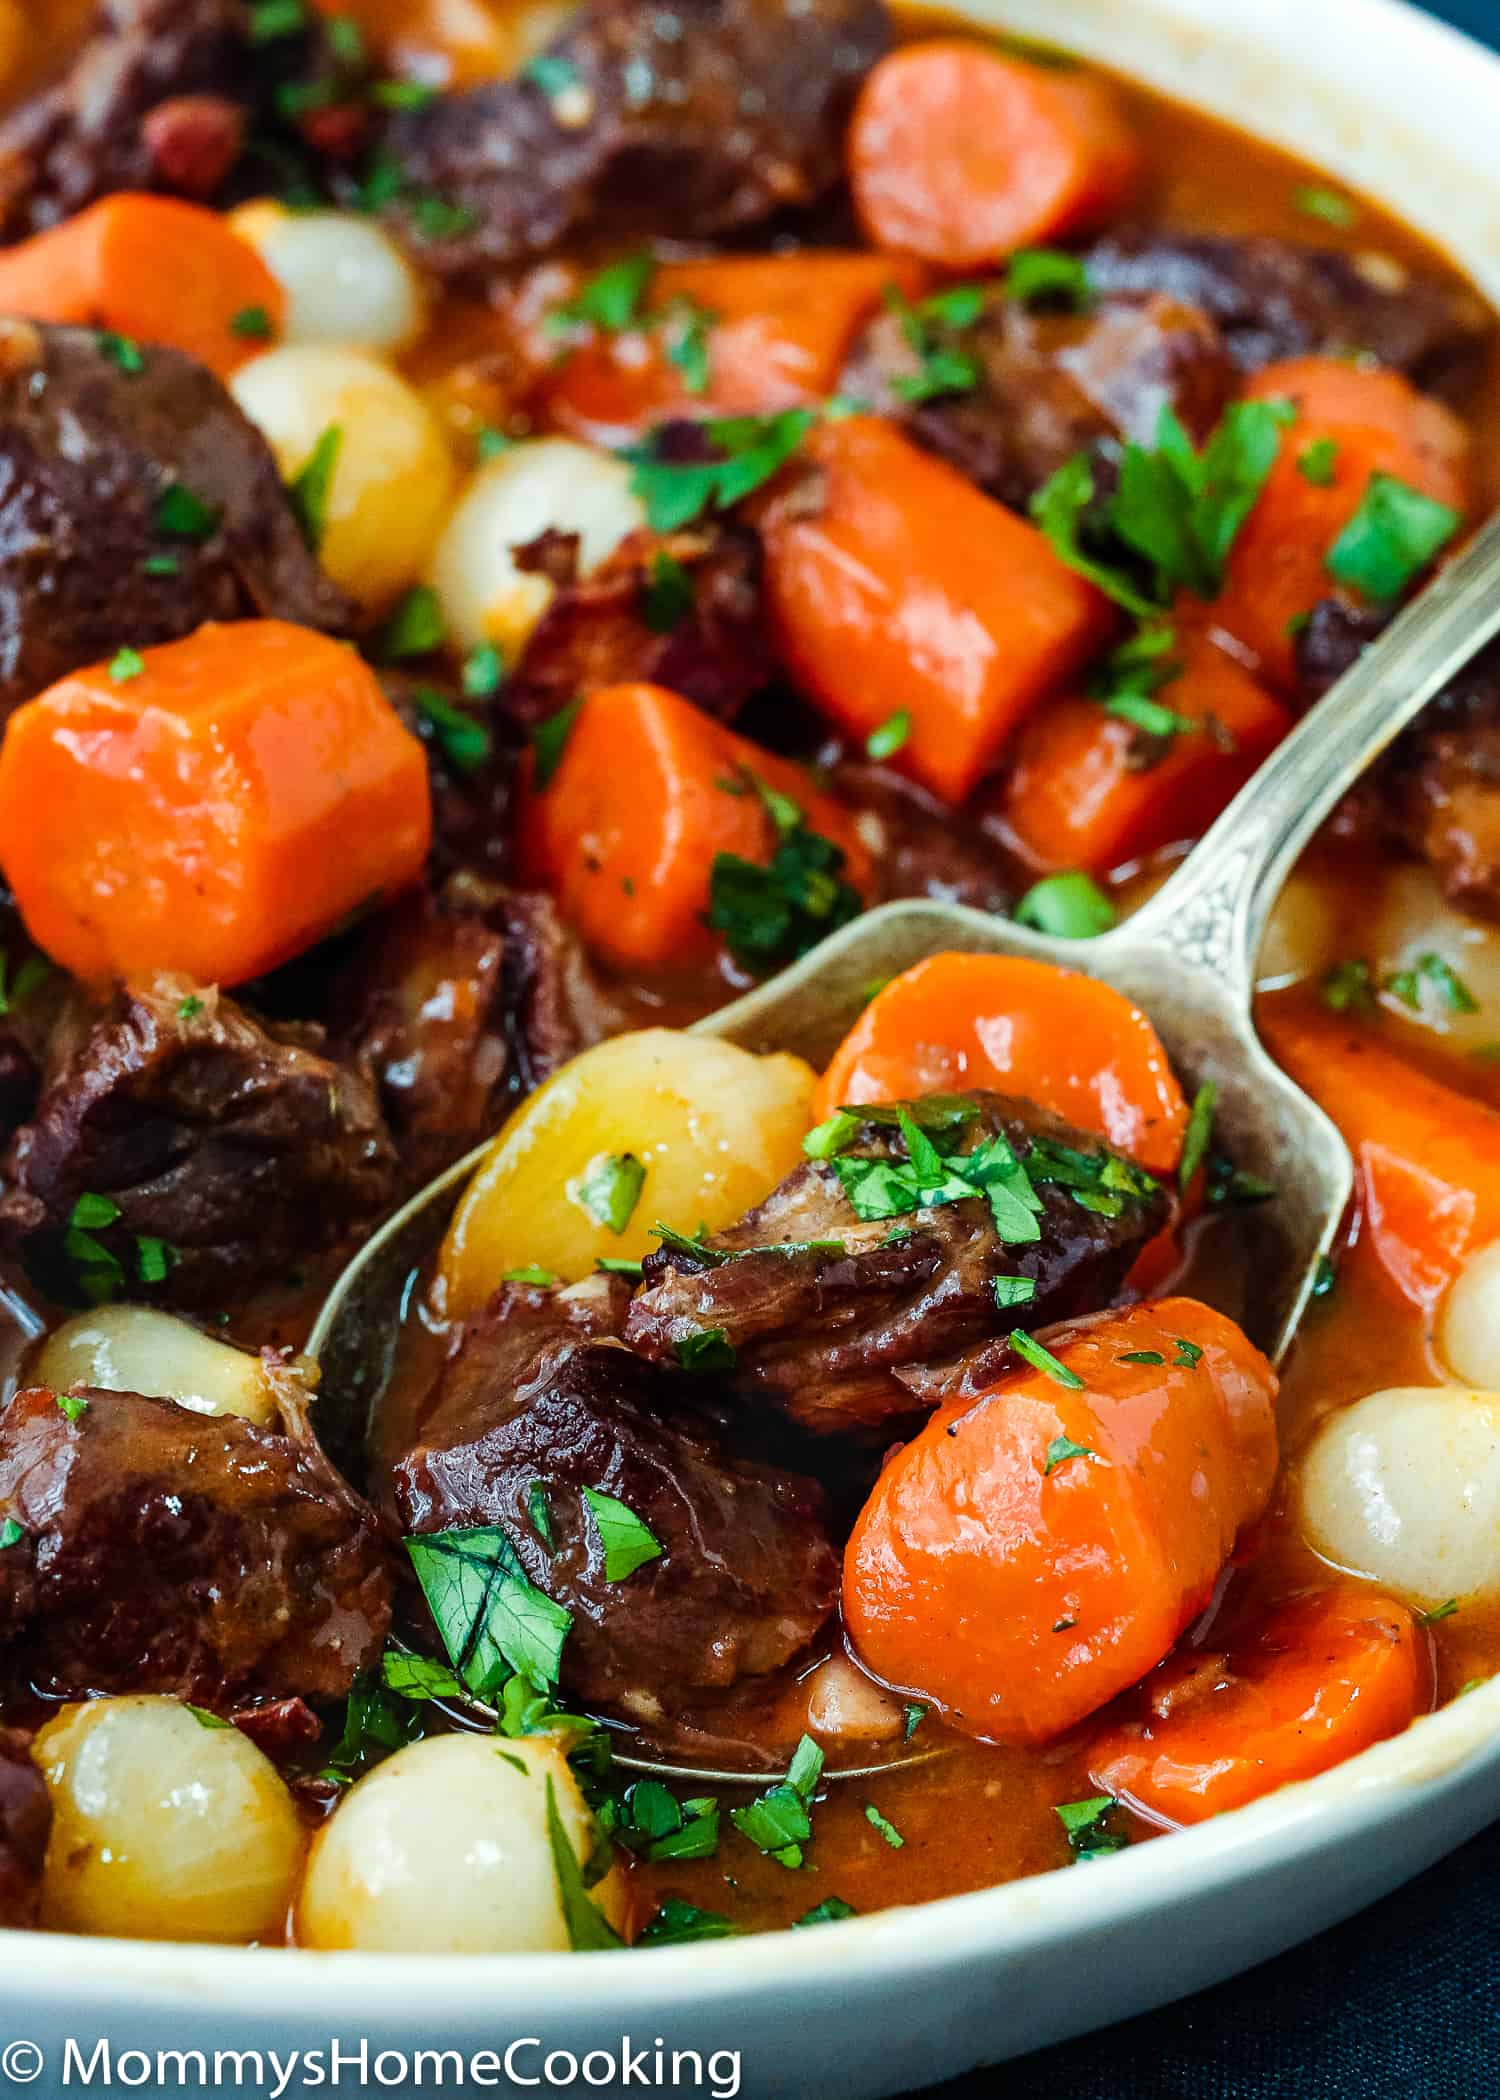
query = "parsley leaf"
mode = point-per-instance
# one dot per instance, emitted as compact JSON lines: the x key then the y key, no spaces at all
{"x":705,"y":1352}
{"x":831,"y":1911}
{"x":589,"y":1930}
{"x":1432,"y":969}
{"x":181,"y":515}
{"x":609,"y":1189}
{"x":1084,"y":1825}
{"x":688,"y":326}
{"x":463,"y":741}
{"x":483,"y":672}
{"x":417,"y":1676}
{"x":126,"y":664}
{"x":1062,"y":1448}
{"x":415,"y":628}
{"x":121,"y":350}
{"x":883,"y":1824}
{"x":1188,"y":1354}
{"x":929,"y":329}
{"x":771,"y":913}
{"x":1050,"y":274}
{"x":886,"y":740}
{"x":252,"y":324}
{"x":492,"y":1619}
{"x":627,"y":1543}
{"x":610,"y":301}
{"x":677,"y":1923}
{"x":669,"y":596}
{"x":72,"y":1405}
{"x":1077,"y":530}
{"x":1040,"y":1359}
{"x":1011,"y":1291}
{"x":1200,"y":1129}
{"x":1069,"y":904}
{"x":1315,"y":201}
{"x":1318,"y":462}
{"x":549,"y":740}
{"x":1183,"y":510}
{"x":11,"y":1533}
{"x":308,"y":490}
{"x":1348,"y":988}
{"x":746,"y":452}
{"x":1391,"y":539}
{"x":779,"y":1821}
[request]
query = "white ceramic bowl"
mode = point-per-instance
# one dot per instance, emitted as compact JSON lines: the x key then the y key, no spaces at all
{"x":1396,"y":105}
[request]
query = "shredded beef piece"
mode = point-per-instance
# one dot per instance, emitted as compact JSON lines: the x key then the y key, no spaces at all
{"x":171,"y":1551}
{"x":87,"y":451}
{"x":239,"y":1148}
{"x":922,"y":847}
{"x":599,"y":631}
{"x":1050,"y":384}
{"x":459,"y":1005}
{"x":25,"y":1824}
{"x":539,"y":1392}
{"x":1273,"y":299}
{"x":1436,"y":791}
{"x":853,"y":1333}
{"x":688,"y":118}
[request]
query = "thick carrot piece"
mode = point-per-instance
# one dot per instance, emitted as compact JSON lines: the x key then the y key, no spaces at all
{"x":1428,"y":1158}
{"x":1088,"y":789}
{"x":1033,"y":1552}
{"x":1327,"y":1675}
{"x":647,"y":792}
{"x":1062,"y":1039}
{"x":776,"y":332}
{"x":213,"y":806}
{"x":904,"y":590}
{"x":959,"y":155}
{"x":150,"y":268}
{"x":1351,"y":425}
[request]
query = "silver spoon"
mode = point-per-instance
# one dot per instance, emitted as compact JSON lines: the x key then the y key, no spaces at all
{"x":1187,"y":957}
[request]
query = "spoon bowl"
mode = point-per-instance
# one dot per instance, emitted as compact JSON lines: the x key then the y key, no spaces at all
{"x":1187,"y":958}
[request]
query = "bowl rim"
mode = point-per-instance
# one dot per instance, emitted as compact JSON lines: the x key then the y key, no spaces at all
{"x":1458,"y":1743}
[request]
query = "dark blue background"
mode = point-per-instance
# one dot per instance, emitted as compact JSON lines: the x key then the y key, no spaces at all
{"x":1402,"y":2003}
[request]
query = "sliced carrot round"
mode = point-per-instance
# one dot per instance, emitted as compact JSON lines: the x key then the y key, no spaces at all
{"x":1324,"y":1677}
{"x":1055,"y":1036}
{"x":959,"y":155}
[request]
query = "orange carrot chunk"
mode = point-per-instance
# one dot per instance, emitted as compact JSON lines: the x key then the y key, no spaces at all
{"x":647,"y":792}
{"x":1427,"y":1157}
{"x":1351,"y":425}
{"x":902,"y":591}
{"x":772,"y":333}
{"x":959,"y":155}
{"x":153,"y":270}
{"x":1324,"y":1677}
{"x":212,"y":806}
{"x":1092,"y":789}
{"x":1062,"y":1039}
{"x":1033,"y":1552}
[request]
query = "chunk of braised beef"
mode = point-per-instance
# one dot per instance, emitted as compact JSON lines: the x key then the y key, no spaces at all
{"x":459,"y":1004}
{"x":25,"y":1825}
{"x":683,"y":612}
{"x":837,"y":1316}
{"x":239,"y":1149}
{"x":676,"y":118}
{"x":135,"y":504}
{"x":1273,"y":298}
{"x":1048,"y":384}
{"x":164,"y":1550}
{"x":921,"y":847}
{"x":540,"y":1396}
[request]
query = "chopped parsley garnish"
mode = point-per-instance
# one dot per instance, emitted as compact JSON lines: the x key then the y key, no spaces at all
{"x":489,"y":443}
{"x":126,"y":664}
{"x":1391,"y":539}
{"x":1438,"y":1611}
{"x":1325,"y":1278}
{"x":1085,"y":1827}
{"x":929,"y":328}
{"x":1189,"y":1355}
{"x":884,"y":1826}
{"x":746,"y":452}
{"x":831,"y":1911}
{"x":617,"y":1265}
{"x":549,"y":740}
{"x":609,"y":1189}
{"x":707,"y":1351}
{"x":1318,"y":462}
{"x":912,"y":1717}
{"x":610,"y":301}
{"x":677,"y":1923}
{"x":539,"y":1513}
{"x":1348,"y":988}
{"x":464,"y":742}
{"x":886,"y":740}
{"x":253,"y":324}
{"x":1236,"y":1186}
{"x":533,"y":1274}
{"x":1050,"y":274}
{"x":308,"y":490}
{"x":1011,"y":1291}
{"x":1141,"y":1356}
{"x":1315,"y":201}
{"x":1070,"y":905}
{"x":205,"y":1719}
{"x":1131,"y":678}
{"x":438,"y":219}
{"x":551,"y":76}
{"x":270,"y":19}
{"x":779,"y":1821}
{"x":121,"y":351}
{"x":1200,"y":1130}
{"x":73,"y":1405}
{"x":657,"y":1826}
{"x":181,"y":515}
{"x":417,"y":1677}
{"x":1076,"y":526}
{"x":588,"y":1929}
{"x":492,"y":1619}
{"x":771,"y":913}
{"x":627,"y":1543}
{"x":483,"y":672}
{"x":1030,"y":1349}
{"x":100,"y":1274}
{"x":833,"y":1135}
{"x":155,"y":1259}
{"x":162,"y":565}
{"x":687,"y":328}
{"x":34,"y":971}
{"x":669,"y":595}
{"x":11,"y":1533}
{"x":402,"y":94}
{"x":415,"y":628}
{"x":1062,"y":1448}
{"x":691,"y":1246}
{"x":1432,"y":969}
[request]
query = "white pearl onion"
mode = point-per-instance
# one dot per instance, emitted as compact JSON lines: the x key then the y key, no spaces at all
{"x":345,"y":279}
{"x":136,"y":1349}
